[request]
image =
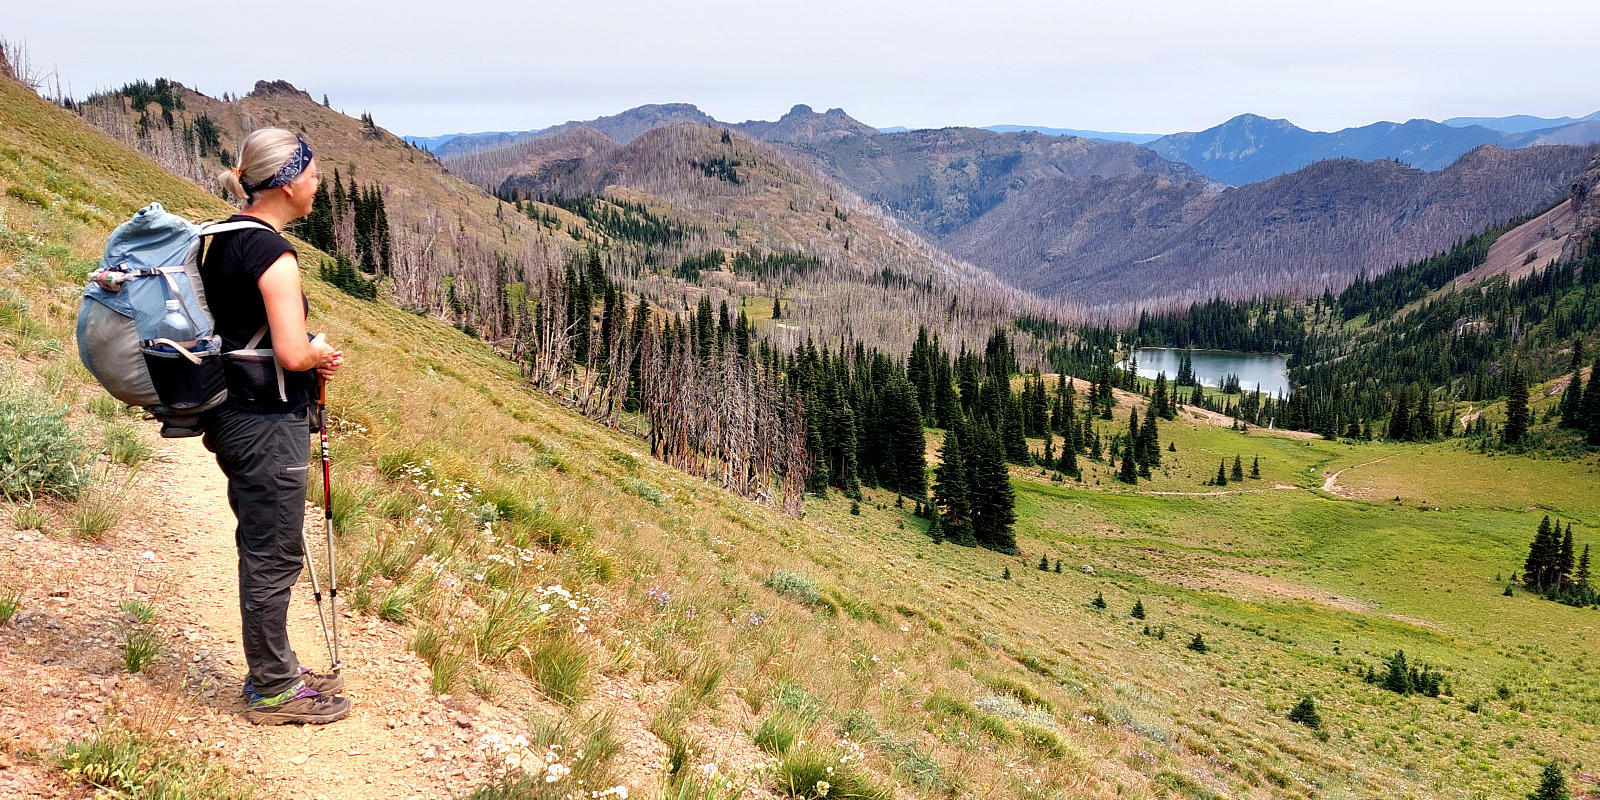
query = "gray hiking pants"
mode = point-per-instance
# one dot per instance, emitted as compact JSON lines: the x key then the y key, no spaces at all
{"x":265,"y":458}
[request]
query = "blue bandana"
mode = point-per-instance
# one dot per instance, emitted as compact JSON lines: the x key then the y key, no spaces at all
{"x":286,"y":174}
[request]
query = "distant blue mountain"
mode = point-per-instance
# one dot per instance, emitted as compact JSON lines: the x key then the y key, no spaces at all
{"x":1250,"y":148}
{"x":433,"y":143}
{"x":1519,"y":123}
{"x":1109,"y":136}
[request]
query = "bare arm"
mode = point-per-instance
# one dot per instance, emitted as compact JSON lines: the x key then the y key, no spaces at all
{"x":286,"y":318}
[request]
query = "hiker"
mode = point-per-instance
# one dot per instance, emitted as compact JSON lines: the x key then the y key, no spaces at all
{"x":261,"y":433}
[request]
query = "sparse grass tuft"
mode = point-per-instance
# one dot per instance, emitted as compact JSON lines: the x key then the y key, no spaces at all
{"x":96,"y":516}
{"x":10,"y":604}
{"x":136,"y":611}
{"x":124,"y":446}
{"x":445,"y":669}
{"x":559,"y":666}
{"x":778,"y":733}
{"x":395,"y":605}
{"x":28,"y":518}
{"x":104,"y":407}
{"x":508,"y":619}
{"x":691,"y":786}
{"x":141,"y":648}
{"x":810,"y":772}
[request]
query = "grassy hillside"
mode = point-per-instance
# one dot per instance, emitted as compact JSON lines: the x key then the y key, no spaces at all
{"x":848,"y":649}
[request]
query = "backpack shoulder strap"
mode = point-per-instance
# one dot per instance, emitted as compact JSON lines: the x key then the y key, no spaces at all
{"x":214,"y":228}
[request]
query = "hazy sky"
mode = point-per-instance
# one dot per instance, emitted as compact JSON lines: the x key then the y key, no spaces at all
{"x":1151,"y":66}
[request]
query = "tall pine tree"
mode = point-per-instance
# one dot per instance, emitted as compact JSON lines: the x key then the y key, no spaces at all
{"x":1516,"y":407}
{"x":950,"y":492}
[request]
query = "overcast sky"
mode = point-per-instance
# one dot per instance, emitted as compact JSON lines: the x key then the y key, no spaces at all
{"x":1152,"y":66}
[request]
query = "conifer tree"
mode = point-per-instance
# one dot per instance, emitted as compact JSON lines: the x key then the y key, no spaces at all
{"x":1149,"y":443}
{"x":1516,"y":407}
{"x":1591,"y":403}
{"x":1014,"y":429}
{"x":1305,"y":713}
{"x":1543,"y":553}
{"x":902,"y":421}
{"x":950,"y":492}
{"x":1398,"y":677}
{"x":1426,"y":428}
{"x":1160,"y":399}
{"x":1222,"y":473}
{"x":1400,"y":422}
{"x":1129,"y":472}
{"x":1138,"y":609}
{"x":1237,"y":474}
{"x":1564,"y":559}
{"x":1044,"y":563}
{"x":1552,"y":784}
{"x":1099,"y":600}
{"x":990,"y":494}
{"x":1572,"y":396}
{"x":1255,"y":468}
{"x":1068,"y":464}
{"x":1198,"y":644}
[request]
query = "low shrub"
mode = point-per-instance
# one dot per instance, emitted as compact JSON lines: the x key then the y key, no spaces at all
{"x":794,"y":586}
{"x":39,"y":453}
{"x":129,"y":764}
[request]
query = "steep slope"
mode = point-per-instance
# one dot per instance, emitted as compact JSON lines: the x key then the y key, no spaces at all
{"x":444,"y":230}
{"x":1155,"y":242}
{"x":859,"y":271}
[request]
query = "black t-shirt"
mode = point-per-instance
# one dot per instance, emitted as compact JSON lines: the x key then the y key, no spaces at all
{"x":233,"y":264}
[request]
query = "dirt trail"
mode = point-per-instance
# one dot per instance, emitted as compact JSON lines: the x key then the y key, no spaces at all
{"x":1331,"y":485}
{"x":385,"y":748}
{"x":61,"y":671}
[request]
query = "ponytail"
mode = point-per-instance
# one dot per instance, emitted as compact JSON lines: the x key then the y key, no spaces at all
{"x":261,"y":154}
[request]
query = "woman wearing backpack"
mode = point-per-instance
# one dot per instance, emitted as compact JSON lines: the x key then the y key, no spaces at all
{"x":261,"y":435}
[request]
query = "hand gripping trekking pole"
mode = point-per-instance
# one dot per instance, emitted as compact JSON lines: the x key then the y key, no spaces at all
{"x":327,"y":519}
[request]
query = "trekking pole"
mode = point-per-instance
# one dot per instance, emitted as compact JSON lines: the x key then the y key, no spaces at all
{"x":327,"y":519}
{"x":316,"y":589}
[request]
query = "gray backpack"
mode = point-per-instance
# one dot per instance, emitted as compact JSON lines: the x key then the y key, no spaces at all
{"x":144,"y":329}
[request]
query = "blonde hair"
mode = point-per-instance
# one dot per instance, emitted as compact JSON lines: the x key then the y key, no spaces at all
{"x":261,"y":155}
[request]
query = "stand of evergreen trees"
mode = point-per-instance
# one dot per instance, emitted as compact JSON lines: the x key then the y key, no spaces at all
{"x":351,"y":223}
{"x":1554,"y":569}
{"x":1403,"y":678}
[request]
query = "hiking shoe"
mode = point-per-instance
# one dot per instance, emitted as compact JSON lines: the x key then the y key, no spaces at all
{"x":300,"y":705}
{"x":323,"y":682}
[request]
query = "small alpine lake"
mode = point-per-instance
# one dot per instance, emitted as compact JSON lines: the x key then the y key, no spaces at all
{"x":1211,"y":367}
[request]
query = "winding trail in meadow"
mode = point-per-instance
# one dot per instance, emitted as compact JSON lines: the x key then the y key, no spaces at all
{"x":1331,"y":484}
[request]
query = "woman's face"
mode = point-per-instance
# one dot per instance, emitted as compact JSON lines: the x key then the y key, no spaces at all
{"x":304,"y":188}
